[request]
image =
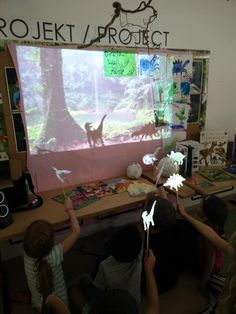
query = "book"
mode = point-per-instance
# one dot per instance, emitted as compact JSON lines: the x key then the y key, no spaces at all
{"x":231,"y":169}
{"x":213,"y":148}
{"x":215,"y":175}
{"x":191,"y":151}
{"x":201,"y":182}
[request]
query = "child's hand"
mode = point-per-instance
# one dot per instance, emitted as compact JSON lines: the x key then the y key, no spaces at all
{"x":181,"y":210}
{"x":68,"y":203}
{"x":149,"y":260}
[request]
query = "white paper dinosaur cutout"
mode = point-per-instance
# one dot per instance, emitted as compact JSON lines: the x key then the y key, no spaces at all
{"x":148,"y":218}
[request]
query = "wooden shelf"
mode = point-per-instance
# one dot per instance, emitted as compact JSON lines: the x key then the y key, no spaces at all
{"x":5,"y":183}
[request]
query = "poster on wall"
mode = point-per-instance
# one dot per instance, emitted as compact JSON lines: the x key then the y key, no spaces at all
{"x":12,"y":88}
{"x":19,"y":132}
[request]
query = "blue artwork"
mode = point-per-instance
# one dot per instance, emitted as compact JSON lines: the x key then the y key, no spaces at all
{"x":148,"y":65}
{"x":179,"y":66}
{"x":185,"y":88}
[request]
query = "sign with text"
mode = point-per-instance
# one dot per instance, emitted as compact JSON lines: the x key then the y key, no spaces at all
{"x":24,"y":29}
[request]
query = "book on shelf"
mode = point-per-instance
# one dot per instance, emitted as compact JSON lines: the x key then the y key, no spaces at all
{"x":231,"y":169}
{"x":191,"y":151}
{"x":213,"y":148}
{"x":215,"y":175}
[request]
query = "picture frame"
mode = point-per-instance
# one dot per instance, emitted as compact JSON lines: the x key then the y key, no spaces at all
{"x":19,"y":132}
{"x":12,"y":88}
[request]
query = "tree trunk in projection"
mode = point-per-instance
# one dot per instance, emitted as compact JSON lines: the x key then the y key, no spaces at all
{"x":60,"y":130}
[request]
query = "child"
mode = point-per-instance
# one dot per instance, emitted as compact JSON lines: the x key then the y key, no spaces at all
{"x":122,"y":269}
{"x":43,"y":259}
{"x":163,"y":240}
{"x":227,"y":299}
{"x":120,"y":301}
{"x":213,"y":212}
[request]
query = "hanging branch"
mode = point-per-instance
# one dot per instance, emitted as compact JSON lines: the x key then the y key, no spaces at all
{"x":118,"y":10}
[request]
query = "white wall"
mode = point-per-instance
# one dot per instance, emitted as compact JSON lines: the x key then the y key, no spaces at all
{"x":203,"y":24}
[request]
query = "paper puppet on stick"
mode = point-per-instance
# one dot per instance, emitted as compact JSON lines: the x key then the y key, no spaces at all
{"x":174,"y":182}
{"x":60,"y":175}
{"x":149,"y":159}
{"x":159,"y":173}
{"x":147,"y":220}
{"x":177,"y":158}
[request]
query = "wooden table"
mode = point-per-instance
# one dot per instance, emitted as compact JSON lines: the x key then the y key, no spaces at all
{"x":54,"y":212}
{"x":187,"y":192}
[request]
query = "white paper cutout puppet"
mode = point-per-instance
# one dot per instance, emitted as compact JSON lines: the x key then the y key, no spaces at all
{"x":60,"y":175}
{"x":147,"y":220}
{"x":149,"y":159}
{"x":174,"y":182}
{"x":177,"y":158}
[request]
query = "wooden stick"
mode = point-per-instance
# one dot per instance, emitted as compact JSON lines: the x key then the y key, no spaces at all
{"x":147,"y":239}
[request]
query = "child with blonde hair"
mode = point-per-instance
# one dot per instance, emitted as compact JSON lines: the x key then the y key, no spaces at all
{"x":43,"y":259}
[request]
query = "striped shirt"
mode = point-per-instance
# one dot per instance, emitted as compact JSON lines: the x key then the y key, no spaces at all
{"x":54,"y":258}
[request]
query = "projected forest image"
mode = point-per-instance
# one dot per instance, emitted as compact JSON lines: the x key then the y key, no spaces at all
{"x":71,"y":102}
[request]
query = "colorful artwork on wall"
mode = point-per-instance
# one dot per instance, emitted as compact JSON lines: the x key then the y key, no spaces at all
{"x":12,"y":88}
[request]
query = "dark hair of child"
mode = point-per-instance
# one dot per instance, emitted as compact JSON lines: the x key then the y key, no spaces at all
{"x":164,"y":216}
{"x":216,"y":212}
{"x":115,"y":301}
{"x":126,"y":243}
{"x":38,"y":242}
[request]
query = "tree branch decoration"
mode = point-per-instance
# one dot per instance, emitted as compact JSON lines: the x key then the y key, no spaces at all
{"x":118,"y":11}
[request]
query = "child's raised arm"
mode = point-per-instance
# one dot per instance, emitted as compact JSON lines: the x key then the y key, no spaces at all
{"x":69,"y":241}
{"x":153,"y":306}
{"x":196,"y":188}
{"x":205,"y":230}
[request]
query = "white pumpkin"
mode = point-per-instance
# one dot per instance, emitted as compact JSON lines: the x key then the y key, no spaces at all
{"x":134,"y":171}
{"x":169,"y":167}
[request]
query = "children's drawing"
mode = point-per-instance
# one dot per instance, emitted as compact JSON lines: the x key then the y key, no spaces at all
{"x":12,"y":88}
{"x":180,"y":66}
{"x":149,"y":65}
{"x":119,"y":64}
